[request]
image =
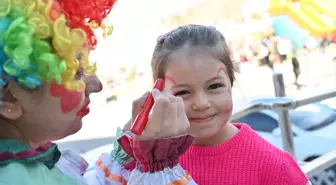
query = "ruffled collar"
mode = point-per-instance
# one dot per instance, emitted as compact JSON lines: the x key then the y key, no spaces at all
{"x":14,"y":151}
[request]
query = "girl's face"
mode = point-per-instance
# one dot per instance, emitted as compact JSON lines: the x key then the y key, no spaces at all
{"x":202,"y":81}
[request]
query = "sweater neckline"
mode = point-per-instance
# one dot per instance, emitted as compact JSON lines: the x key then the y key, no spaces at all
{"x":242,"y":134}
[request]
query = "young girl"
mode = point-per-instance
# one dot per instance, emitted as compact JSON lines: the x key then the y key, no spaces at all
{"x":189,"y":139}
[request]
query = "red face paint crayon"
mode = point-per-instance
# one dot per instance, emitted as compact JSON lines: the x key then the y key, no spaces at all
{"x":140,"y":121}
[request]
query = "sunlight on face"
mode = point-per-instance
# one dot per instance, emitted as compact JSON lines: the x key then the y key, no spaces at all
{"x":202,"y":81}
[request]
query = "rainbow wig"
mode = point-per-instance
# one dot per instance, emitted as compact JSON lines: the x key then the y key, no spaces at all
{"x":45,"y":40}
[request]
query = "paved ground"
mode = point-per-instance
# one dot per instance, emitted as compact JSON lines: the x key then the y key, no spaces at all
{"x":318,"y":74}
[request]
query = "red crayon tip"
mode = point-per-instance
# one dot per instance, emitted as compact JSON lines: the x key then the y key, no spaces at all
{"x":140,"y":121}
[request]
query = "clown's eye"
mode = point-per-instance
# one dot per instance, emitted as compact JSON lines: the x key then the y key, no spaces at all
{"x":79,"y":73}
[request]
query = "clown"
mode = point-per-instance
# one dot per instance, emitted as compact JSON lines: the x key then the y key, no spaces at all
{"x":46,"y":80}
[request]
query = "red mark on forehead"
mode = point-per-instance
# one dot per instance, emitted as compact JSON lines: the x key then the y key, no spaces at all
{"x":220,"y":69}
{"x":226,"y":75}
{"x":69,"y":99}
{"x":170,"y":79}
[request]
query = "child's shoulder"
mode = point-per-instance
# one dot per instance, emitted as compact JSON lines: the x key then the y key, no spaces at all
{"x":265,"y":150}
{"x":280,"y":166}
{"x":255,"y":142}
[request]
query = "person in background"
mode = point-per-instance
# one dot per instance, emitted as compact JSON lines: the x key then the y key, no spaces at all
{"x":324,"y":42}
{"x":296,"y":69}
{"x":284,"y":48}
{"x":273,"y":55}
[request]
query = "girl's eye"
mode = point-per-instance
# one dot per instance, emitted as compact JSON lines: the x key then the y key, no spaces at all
{"x":216,"y":86}
{"x":181,"y":93}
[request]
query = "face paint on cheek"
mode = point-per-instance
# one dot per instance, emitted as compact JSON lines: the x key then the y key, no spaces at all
{"x":70,"y":100}
{"x":229,"y":111}
{"x":222,"y":69}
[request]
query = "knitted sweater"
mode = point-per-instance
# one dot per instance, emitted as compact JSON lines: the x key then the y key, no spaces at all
{"x":245,"y":159}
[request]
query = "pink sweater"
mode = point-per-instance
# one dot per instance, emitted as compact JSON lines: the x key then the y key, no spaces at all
{"x":246,"y":159}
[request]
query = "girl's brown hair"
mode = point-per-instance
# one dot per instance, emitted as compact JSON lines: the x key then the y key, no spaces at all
{"x":193,"y":36}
